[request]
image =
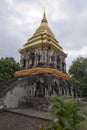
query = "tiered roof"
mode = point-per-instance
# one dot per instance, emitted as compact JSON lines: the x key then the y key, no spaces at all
{"x":43,"y":38}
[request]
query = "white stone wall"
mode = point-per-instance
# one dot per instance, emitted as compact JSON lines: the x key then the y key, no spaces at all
{"x":18,"y":94}
{"x":13,"y":97}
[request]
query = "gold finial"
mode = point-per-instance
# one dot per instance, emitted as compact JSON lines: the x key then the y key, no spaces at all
{"x":44,"y":17}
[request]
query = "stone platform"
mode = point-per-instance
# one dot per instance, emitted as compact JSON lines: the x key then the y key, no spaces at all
{"x":34,"y":89}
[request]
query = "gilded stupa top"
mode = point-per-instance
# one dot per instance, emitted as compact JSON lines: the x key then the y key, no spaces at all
{"x":44,"y":28}
{"x":44,"y":18}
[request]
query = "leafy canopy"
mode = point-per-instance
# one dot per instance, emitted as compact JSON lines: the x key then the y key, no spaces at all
{"x":7,"y":68}
{"x":78,"y":71}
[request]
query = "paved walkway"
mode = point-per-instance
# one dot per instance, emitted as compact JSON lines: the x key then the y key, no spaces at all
{"x":31,"y":112}
{"x":23,"y":119}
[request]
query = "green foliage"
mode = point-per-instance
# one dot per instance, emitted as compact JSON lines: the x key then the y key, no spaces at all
{"x":66,"y":114}
{"x":7,"y":68}
{"x":78,"y":74}
{"x":78,"y":71}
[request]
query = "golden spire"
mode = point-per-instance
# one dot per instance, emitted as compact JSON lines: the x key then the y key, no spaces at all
{"x":44,"y":17}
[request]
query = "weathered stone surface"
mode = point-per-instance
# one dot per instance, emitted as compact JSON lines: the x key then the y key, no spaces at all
{"x":43,"y":58}
{"x":33,"y":90}
{"x":5,"y":86}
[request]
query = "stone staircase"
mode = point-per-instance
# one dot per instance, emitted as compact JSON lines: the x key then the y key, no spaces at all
{"x":6,"y":86}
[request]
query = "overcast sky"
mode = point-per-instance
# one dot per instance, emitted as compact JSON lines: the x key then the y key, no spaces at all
{"x":67,"y":19}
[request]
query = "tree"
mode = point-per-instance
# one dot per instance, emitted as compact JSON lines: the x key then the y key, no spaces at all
{"x":78,"y":73}
{"x":7,"y":68}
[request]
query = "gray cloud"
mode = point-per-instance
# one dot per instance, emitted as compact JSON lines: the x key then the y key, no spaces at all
{"x":20,"y":18}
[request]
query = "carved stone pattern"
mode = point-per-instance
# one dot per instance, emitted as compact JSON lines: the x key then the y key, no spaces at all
{"x":43,"y":58}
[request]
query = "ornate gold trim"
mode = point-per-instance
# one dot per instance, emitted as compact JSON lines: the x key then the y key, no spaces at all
{"x":41,"y":71}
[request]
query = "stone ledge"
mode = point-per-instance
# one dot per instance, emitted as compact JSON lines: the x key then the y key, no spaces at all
{"x":32,"y":113}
